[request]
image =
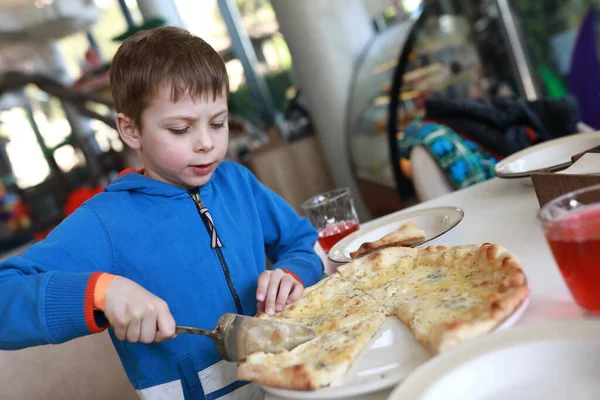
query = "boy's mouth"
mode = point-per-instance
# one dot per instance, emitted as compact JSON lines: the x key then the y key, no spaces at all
{"x":202,"y":169}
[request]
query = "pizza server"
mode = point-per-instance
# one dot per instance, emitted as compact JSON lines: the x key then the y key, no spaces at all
{"x":237,"y":336}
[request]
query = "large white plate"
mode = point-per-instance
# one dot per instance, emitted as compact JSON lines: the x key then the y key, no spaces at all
{"x":434,"y":221}
{"x":391,"y":355}
{"x":545,"y":155}
{"x":550,"y":361}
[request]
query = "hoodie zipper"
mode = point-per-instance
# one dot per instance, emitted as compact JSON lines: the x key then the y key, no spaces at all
{"x":216,"y":244}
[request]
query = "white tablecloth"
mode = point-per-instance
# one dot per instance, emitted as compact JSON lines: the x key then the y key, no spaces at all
{"x":504,"y":212}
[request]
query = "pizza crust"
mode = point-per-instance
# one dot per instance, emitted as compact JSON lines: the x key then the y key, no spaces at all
{"x":409,"y":234}
{"x":449,"y":335}
{"x":296,"y":377}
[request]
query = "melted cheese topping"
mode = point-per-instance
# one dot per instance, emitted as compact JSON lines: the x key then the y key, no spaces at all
{"x":326,"y":358}
{"x":374,"y":270}
{"x":333,"y":292}
{"x":427,"y":288}
{"x":454,"y":286}
{"x":332,"y":304}
{"x":438,"y":298}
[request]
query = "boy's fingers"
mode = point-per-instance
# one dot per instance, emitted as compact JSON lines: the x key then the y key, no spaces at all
{"x":160,"y":337}
{"x":133,"y":331}
{"x":260,"y":307}
{"x":263,"y":284}
{"x":296,"y":292}
{"x":148,"y":329}
{"x":272,"y":294}
{"x":166,"y":326}
{"x":284,"y":290}
{"x":120,"y":332}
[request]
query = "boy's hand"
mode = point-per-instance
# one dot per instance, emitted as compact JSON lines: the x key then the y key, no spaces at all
{"x":137,"y":315}
{"x":276,"y":289}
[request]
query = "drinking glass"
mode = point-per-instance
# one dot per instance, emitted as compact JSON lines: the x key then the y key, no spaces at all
{"x":571,"y":224}
{"x":333,"y":216}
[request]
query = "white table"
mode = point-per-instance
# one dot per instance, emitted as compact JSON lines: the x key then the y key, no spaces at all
{"x":504,"y":212}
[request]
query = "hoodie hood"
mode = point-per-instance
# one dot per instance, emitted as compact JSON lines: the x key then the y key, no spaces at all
{"x":136,"y":182}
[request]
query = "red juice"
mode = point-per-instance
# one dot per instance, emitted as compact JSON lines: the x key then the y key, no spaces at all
{"x":575,"y":243}
{"x":333,"y":233}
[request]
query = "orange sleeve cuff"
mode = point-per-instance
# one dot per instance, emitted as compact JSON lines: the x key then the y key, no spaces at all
{"x":88,"y":304}
{"x":293,"y":276}
{"x":102,"y":284}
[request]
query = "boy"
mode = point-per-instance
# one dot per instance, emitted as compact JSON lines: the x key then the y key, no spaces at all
{"x":146,"y":252}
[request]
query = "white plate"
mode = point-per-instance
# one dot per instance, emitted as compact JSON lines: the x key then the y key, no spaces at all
{"x":550,"y":361}
{"x":434,"y":221}
{"x":391,"y":355}
{"x":545,"y":155}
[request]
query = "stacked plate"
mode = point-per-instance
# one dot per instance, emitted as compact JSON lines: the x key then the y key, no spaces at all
{"x":554,"y":155}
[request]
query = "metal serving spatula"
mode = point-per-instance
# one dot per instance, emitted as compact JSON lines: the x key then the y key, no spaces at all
{"x":237,"y":336}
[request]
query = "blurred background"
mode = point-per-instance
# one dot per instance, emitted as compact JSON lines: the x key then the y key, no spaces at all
{"x":335,"y":93}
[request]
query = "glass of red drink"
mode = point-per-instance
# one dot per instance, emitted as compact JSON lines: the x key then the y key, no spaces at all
{"x":572,"y":226}
{"x":333,"y":216}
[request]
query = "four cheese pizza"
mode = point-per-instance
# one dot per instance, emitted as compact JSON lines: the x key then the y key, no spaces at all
{"x":445,"y":295}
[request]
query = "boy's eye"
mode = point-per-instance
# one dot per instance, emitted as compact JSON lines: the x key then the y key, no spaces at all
{"x":217,"y":125}
{"x":180,"y":131}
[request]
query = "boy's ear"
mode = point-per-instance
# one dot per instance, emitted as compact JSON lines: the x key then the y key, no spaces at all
{"x":128,"y":131}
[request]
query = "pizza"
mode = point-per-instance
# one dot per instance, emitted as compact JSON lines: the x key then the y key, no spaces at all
{"x":444,"y":295}
{"x":381,"y":275}
{"x":329,"y":305}
{"x":314,"y":364}
{"x":409,"y":234}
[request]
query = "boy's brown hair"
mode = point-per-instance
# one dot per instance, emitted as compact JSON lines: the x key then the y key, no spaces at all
{"x":166,"y":55}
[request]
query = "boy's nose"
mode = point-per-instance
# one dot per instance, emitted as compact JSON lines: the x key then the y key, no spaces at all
{"x":203,"y":143}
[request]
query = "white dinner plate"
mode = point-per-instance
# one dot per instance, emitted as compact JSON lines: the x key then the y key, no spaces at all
{"x":434,"y":221}
{"x":391,"y":355}
{"x":550,"y":361}
{"x":545,"y":155}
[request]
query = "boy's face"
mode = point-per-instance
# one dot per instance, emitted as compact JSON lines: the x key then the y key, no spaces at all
{"x":180,"y":143}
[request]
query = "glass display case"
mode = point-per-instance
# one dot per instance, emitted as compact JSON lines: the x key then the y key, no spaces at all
{"x":369,"y":106}
{"x":462,"y":53}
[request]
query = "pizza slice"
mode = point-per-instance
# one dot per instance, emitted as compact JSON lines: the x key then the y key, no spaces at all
{"x":409,"y":234}
{"x":466,"y":292}
{"x":443,"y":294}
{"x":321,"y":362}
{"x":330,"y":305}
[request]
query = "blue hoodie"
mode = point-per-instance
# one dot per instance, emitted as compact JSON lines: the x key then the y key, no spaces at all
{"x":157,"y":235}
